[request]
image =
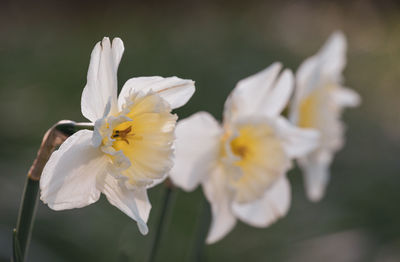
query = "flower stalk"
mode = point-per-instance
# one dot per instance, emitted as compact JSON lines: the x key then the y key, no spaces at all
{"x":203,"y":224}
{"x":53,"y":138}
{"x":162,"y":219}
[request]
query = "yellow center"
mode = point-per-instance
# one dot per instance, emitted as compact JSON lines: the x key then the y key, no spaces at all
{"x":245,"y":145}
{"x":308,"y":110}
{"x":146,"y":140}
{"x":312,"y":105}
{"x":261,"y":159}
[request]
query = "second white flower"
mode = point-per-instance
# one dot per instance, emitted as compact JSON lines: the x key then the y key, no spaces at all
{"x":242,"y":164}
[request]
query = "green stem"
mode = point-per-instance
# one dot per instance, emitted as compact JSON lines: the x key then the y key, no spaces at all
{"x":161,"y":222}
{"x":27,"y":212}
{"x":53,"y":138}
{"x":203,"y":224}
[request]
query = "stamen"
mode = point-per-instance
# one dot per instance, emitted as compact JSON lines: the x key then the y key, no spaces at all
{"x":125,"y":132}
{"x":240,"y":150}
{"x":122,"y":134}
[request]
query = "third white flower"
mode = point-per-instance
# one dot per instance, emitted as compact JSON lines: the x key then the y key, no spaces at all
{"x":318,"y":103}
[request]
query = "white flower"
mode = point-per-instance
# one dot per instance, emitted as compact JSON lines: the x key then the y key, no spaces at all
{"x":242,"y":164}
{"x":318,"y":103}
{"x":130,"y":148}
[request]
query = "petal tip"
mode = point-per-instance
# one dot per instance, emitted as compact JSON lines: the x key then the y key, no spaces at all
{"x":105,"y":43}
{"x":276,"y":64}
{"x":117,"y":42}
{"x":144,"y":230}
{"x":315,"y":195}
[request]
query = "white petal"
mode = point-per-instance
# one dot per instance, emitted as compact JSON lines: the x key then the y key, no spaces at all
{"x":196,"y":149}
{"x":324,"y":67}
{"x":69,"y":177}
{"x":127,"y":200}
{"x":296,"y":141}
{"x":117,"y":51}
{"x":279,"y":96}
{"x":333,"y":56}
{"x":102,"y":83}
{"x":174,"y":90}
{"x":273,"y":205}
{"x":346,"y":97}
{"x":307,"y":77}
{"x":316,"y":175}
{"x":250,"y":94}
{"x":307,"y":80}
{"x":142,"y":202}
{"x":220,"y":200}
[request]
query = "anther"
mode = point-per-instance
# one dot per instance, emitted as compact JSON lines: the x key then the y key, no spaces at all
{"x":122,"y":134}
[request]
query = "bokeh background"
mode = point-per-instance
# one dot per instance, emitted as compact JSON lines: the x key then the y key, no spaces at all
{"x":44,"y":56}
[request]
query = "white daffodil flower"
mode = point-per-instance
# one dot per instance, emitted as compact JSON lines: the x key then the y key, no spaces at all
{"x":318,"y":103}
{"x":242,"y":164}
{"x":131,"y":147}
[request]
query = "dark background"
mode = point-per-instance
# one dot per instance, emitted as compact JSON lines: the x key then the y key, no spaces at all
{"x":44,"y":56}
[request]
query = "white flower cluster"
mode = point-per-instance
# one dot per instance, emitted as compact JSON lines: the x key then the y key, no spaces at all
{"x":241,"y":163}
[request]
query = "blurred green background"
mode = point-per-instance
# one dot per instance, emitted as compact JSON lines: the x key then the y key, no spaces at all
{"x":44,"y":56}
